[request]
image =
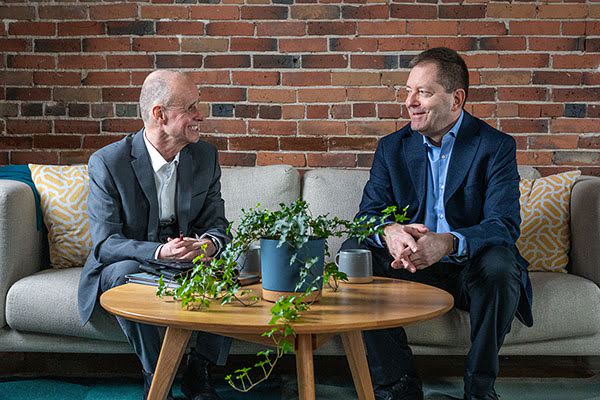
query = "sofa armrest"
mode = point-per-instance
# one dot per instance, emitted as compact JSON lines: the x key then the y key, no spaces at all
{"x":20,"y":242}
{"x":585,"y":228}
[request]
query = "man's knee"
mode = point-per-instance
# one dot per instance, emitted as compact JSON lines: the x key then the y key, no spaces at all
{"x":114,"y":274}
{"x":497,"y":266}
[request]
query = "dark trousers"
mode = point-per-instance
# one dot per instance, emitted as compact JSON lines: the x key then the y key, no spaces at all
{"x":488,"y":287}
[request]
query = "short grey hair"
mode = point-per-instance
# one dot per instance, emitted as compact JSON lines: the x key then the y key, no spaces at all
{"x":155,"y":90}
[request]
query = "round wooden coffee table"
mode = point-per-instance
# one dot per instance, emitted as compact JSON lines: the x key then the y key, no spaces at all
{"x":385,"y":303}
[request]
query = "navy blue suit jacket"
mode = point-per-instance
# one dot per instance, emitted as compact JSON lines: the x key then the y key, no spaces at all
{"x":482,"y":189}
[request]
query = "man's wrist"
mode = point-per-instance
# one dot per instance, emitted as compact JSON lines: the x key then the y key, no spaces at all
{"x":454,"y":245}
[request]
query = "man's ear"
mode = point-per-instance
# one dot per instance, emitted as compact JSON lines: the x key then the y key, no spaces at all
{"x":158,"y":114}
{"x":459,"y":98}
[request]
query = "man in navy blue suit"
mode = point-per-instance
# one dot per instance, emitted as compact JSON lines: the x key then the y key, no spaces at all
{"x":458,"y":175}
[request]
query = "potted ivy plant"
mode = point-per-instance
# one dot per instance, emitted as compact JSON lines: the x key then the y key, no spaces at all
{"x":293,"y":246}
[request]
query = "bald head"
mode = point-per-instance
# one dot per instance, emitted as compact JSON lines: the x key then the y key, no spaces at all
{"x":159,"y":88}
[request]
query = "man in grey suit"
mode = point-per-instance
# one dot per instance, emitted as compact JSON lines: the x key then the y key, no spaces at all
{"x":156,"y":194}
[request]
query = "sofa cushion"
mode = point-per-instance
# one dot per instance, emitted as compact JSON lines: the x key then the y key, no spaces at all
{"x":46,"y":302}
{"x":564,"y":306}
{"x":545,"y":216}
{"x":269,"y":186}
{"x":63,"y":193}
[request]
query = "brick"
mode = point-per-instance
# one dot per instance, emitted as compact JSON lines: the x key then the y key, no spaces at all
{"x":253,"y":44}
{"x":371,"y":94}
{"x":317,"y":111}
{"x":81,"y":28}
{"x":553,"y":142}
{"x":481,"y":60}
{"x":420,"y":11}
{"x":576,"y":158}
{"x":63,"y":12}
{"x":572,"y":61}
{"x":155,"y":44}
{"x":389,"y":110}
{"x":341,"y":111}
{"x":394,"y":78}
{"x":306,"y":79}
{"x":9,"y":109}
{"x":562,"y":11}
{"x":16,"y":78}
{"x":32,"y":28}
{"x":353,"y":44}
{"x":276,"y":28}
{"x":510,"y":11}
{"x":506,"y":77}
{"x":272,"y":127}
{"x":269,"y":112}
{"x":164,"y":12}
{"x":322,"y":128}
{"x":352,"y":143}
{"x":17,"y":12}
{"x":83,"y":95}
{"x":402,"y":44}
{"x":476,"y":27}
{"x":255,"y":78}
{"x":210,"y":12}
{"x":226,"y":28}
{"x":292,"y":111}
{"x":36,"y":157}
{"x":315,"y":11}
{"x":276,"y":61}
{"x":589,"y":141}
{"x":456,"y":43}
{"x":537,"y":28}
{"x":555,"y":44}
{"x":366,"y":12}
{"x":463,"y":11}
{"x":56,"y":142}
{"x":576,"y":95}
{"x":222,"y":110}
{"x":81,"y":62}
{"x":592,"y":28}
{"x":593,"y":111}
{"x":364,"y":160}
{"x":121,"y":125}
{"x":235,"y":127}
{"x":432,"y":28}
{"x":381,"y":28}
{"x":120,"y":94}
{"x":355,"y":79}
{"x":254,"y":143}
{"x":102,"y":44}
{"x":57,"y":45}
{"x":99,"y":141}
{"x":222,"y":94}
{"x":524,"y":125}
{"x":227,"y":61}
{"x":136,"y":28}
{"x":331,"y":28}
{"x":79,"y":110}
{"x":570,"y":125}
{"x":57,"y":78}
{"x":102,"y":111}
{"x":98,"y":78}
{"x":481,"y":110}
{"x":293,"y":159}
{"x":522,"y":93}
{"x":574,"y":28}
{"x":264,"y":12}
{"x":325,"y":61}
{"x":592,"y":45}
{"x":137,"y":61}
{"x":502,"y":43}
{"x":271,"y":95}
{"x":216,"y":77}
{"x":363,"y":110}
{"x":14,"y":45}
{"x":557,"y":78}
{"x":55,"y":109}
{"x":331,"y":160}
{"x":184,"y":28}
{"x":178,"y":61}
{"x":321,"y":95}
{"x":303,"y":45}
{"x":113,"y":11}
{"x":28,"y":94}
{"x":219,"y":142}
{"x":237,"y":159}
{"x":23,"y":126}
{"x":371,"y":128}
{"x":534,"y":157}
{"x":303,"y":144}
{"x":15,"y":142}
{"x":540,"y":110}
{"x":69,"y":157}
{"x":523,"y":60}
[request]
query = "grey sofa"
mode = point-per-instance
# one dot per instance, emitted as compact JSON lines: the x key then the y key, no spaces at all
{"x":38,"y":307}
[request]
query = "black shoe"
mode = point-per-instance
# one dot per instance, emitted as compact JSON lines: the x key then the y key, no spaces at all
{"x":148,"y":381}
{"x":406,"y":388}
{"x":196,"y":383}
{"x":489,"y":396}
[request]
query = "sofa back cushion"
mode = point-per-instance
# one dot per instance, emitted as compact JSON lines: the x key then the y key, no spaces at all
{"x":64,"y":190}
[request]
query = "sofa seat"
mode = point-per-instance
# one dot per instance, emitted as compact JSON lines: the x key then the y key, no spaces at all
{"x":558,"y":313}
{"x":46,"y":302}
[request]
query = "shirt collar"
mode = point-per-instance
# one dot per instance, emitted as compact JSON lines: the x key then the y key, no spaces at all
{"x":451,"y":133}
{"x":156,"y":159}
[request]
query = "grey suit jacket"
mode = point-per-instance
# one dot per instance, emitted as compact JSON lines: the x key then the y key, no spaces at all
{"x":123,"y":206}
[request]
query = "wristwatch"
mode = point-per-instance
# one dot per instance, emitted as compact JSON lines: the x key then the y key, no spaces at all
{"x":454,"y":245}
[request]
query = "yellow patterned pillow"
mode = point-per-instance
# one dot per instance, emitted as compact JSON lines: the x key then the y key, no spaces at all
{"x":63,"y":193}
{"x":545,"y":217}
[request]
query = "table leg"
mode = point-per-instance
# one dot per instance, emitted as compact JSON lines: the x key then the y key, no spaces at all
{"x":172,"y":350}
{"x":305,"y":368}
{"x":357,"y":358}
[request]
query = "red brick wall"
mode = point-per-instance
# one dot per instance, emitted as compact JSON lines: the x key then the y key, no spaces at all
{"x":312,"y":85}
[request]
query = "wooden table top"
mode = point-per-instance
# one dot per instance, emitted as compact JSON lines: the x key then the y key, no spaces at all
{"x":385,"y":303}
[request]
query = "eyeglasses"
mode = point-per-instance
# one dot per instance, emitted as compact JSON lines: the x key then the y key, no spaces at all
{"x":191,"y":109}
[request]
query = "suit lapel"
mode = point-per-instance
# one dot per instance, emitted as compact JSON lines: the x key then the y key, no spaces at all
{"x":463,"y":153}
{"x":143,"y":171}
{"x":184,"y":188}
{"x":415,"y":155}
